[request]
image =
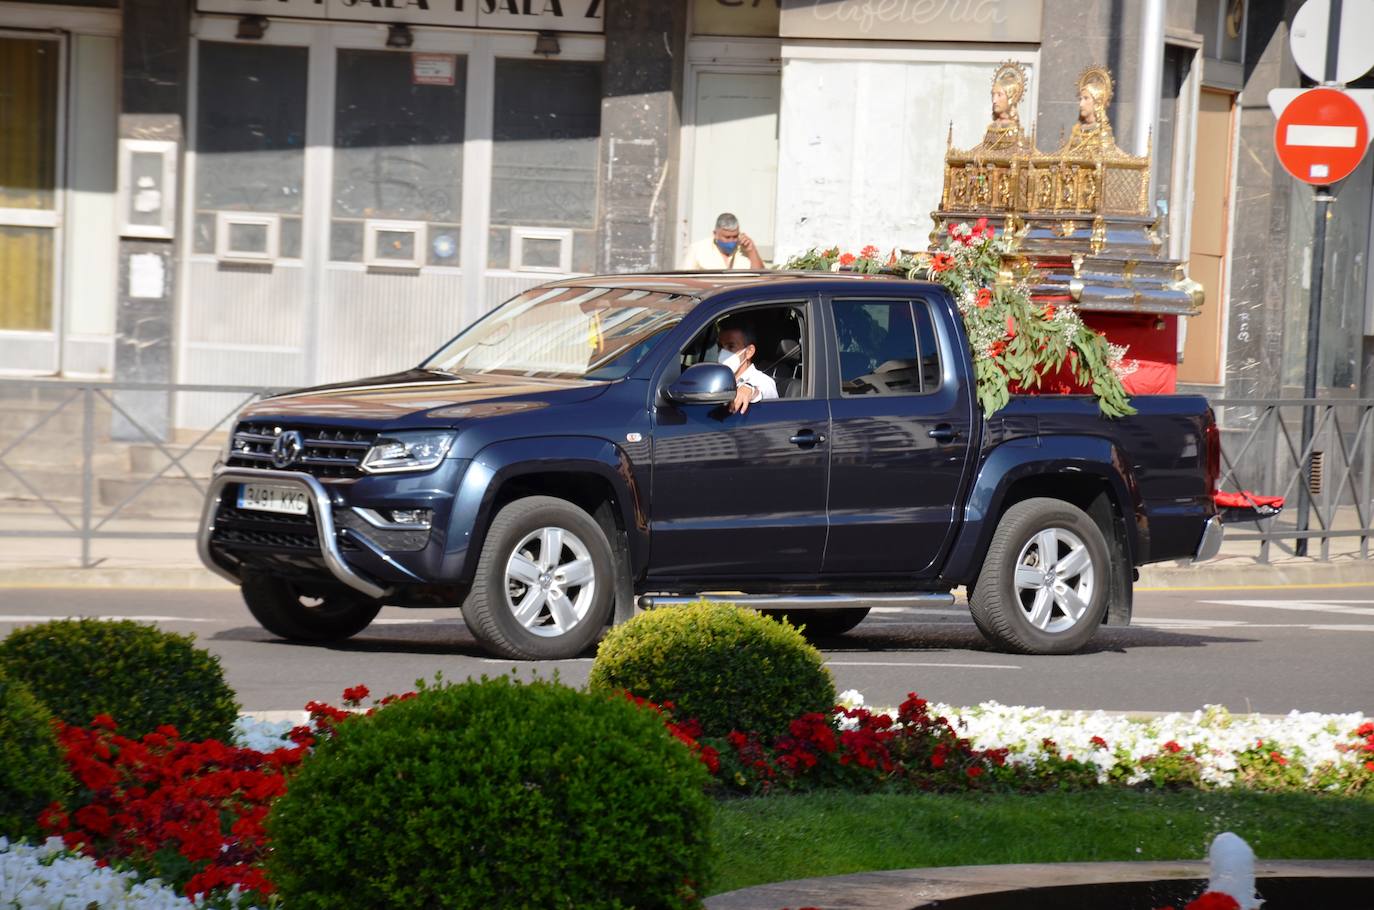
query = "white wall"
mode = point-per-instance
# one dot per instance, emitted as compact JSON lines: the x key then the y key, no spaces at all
{"x":91,"y":247}
{"x":863,"y":137}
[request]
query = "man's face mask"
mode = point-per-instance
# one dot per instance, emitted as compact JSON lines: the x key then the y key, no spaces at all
{"x":730,"y":360}
{"x":727,"y":246}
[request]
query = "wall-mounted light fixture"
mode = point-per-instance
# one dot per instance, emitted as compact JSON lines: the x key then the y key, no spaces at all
{"x":251,"y":28}
{"x":399,"y":36}
{"x":546,"y":45}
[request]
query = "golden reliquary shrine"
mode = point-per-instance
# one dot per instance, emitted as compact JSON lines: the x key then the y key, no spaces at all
{"x":1079,"y":223}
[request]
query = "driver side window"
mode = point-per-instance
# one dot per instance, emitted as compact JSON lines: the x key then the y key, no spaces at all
{"x":779,"y":342}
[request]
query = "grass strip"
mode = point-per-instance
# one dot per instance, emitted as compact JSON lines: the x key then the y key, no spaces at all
{"x":777,"y":838}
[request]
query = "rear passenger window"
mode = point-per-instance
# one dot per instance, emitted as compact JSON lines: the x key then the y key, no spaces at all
{"x":887,"y":347}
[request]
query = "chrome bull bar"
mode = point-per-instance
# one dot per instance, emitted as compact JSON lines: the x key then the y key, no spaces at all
{"x":323,"y":510}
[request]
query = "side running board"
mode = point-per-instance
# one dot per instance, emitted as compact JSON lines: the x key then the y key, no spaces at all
{"x":804,"y":601}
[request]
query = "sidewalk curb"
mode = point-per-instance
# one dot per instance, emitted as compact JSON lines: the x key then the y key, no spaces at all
{"x":1292,"y":573}
{"x":186,"y":578}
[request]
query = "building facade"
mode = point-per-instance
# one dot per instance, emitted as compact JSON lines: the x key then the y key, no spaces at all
{"x":285,"y":192}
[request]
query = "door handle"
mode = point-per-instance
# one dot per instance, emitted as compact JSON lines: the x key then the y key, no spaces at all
{"x":943,"y":433}
{"x":807,"y":438}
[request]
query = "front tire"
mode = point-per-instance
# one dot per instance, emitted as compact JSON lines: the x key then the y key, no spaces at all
{"x":1044,"y":583}
{"x":545,"y":582}
{"x":285,"y":610}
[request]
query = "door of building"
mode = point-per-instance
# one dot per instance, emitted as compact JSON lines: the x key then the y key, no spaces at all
{"x":735,"y":154}
{"x":31,"y":120}
{"x":1210,"y":235}
{"x":355,"y":204}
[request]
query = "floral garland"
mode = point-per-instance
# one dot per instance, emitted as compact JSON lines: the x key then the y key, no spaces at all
{"x":1016,"y":342}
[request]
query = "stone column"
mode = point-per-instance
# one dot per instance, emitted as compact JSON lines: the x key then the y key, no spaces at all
{"x":1260,"y":236}
{"x":155,"y":42}
{"x":640,"y":118}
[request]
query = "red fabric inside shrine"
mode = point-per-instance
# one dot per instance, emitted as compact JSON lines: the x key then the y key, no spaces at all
{"x":1153,"y":343}
{"x":1154,"y":349}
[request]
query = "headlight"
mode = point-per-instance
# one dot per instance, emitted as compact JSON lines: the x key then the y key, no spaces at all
{"x":397,"y":452}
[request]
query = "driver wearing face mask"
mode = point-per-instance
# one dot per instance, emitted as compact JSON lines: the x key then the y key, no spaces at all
{"x":737,"y":348}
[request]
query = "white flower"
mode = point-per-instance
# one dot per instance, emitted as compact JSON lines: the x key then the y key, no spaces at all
{"x":850,"y":698}
{"x":47,"y":877}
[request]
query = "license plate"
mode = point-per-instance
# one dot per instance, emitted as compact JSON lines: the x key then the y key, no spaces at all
{"x":267,"y":497}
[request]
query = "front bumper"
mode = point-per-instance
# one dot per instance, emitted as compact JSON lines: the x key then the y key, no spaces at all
{"x":326,"y":530}
{"x":1210,"y":544}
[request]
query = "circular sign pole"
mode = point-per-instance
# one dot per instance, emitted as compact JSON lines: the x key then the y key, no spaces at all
{"x":1321,"y":203}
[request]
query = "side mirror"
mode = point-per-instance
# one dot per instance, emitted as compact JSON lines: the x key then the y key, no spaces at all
{"x":703,"y":383}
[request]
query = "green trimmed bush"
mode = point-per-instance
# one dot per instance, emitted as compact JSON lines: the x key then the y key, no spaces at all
{"x":32,"y":772}
{"x":495,"y":794}
{"x":140,"y":675}
{"x":729,"y":667}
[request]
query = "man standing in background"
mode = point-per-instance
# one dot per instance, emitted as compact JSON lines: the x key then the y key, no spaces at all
{"x":727,"y":248}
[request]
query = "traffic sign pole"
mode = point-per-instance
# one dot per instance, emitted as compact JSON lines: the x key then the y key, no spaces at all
{"x":1322,"y":203}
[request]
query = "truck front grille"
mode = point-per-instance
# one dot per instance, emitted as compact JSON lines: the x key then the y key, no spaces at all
{"x":327,"y":452}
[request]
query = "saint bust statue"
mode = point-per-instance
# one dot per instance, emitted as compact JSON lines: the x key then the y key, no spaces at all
{"x":1004,"y":135}
{"x":1092,"y":134}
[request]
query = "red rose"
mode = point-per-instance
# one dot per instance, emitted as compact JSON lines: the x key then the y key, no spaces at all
{"x":941,"y":262}
{"x":984,"y":298}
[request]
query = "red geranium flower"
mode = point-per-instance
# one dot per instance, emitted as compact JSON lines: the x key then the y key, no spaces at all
{"x":869,"y":252}
{"x":1172,"y":746}
{"x":984,"y":298}
{"x":847,"y":259}
{"x":1213,"y":900}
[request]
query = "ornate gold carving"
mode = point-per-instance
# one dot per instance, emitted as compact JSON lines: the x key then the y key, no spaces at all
{"x":1098,"y":239}
{"x":1128,"y":269}
{"x":1065,"y":228}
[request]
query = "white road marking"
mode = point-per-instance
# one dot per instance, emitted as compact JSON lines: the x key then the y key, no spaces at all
{"x":1305,"y":606}
{"x":38,"y":617}
{"x":917,"y":663}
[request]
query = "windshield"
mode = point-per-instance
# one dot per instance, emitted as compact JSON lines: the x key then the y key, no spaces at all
{"x":566,"y":333}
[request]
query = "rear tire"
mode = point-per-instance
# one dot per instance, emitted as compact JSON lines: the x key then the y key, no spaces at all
{"x":821,"y":623}
{"x":284,"y":609}
{"x":545,"y":582}
{"x":1044,"y":583}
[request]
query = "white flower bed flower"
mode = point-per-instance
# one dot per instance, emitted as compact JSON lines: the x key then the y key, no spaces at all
{"x":1213,"y":735}
{"x":48,"y":877}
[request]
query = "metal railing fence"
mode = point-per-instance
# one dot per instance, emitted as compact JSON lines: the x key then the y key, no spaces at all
{"x":1261,"y":452}
{"x":95,"y":401}
{"x":1326,"y":485}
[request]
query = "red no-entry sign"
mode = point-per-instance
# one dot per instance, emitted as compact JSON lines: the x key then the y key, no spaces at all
{"x":1321,"y":136}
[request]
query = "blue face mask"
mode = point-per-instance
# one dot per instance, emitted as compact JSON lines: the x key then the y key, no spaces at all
{"x":727,"y":246}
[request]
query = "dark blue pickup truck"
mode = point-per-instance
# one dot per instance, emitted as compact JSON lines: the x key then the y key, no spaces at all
{"x":574,"y":456}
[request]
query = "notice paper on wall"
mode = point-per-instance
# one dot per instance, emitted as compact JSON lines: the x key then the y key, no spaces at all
{"x":147,"y":278}
{"x":432,"y":69}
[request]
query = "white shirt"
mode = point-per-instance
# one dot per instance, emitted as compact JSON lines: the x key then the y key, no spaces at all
{"x":761,"y":382}
{"x":705,"y":256}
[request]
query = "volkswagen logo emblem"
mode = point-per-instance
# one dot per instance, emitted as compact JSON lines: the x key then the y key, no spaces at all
{"x":287,"y":449}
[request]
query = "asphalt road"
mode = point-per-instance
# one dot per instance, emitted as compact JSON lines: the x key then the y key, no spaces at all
{"x":1265,"y":650}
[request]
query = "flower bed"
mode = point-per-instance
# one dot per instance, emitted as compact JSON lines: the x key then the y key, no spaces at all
{"x":186,"y":818}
